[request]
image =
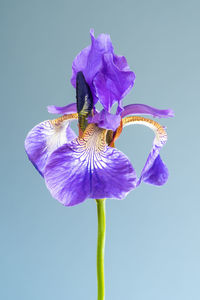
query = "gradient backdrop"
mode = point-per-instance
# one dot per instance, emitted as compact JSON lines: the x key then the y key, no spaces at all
{"x":153,"y":242}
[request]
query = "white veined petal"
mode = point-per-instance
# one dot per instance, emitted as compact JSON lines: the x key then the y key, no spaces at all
{"x":46,"y":137}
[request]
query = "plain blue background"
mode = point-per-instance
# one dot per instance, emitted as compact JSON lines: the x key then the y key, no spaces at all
{"x":48,"y":251}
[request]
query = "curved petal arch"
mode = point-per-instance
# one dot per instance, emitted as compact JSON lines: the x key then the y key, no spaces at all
{"x":154,"y":171}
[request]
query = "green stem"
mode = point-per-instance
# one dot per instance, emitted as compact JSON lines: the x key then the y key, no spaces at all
{"x":100,"y":247}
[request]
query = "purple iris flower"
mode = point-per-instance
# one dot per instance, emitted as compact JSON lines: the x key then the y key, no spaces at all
{"x":88,"y":166}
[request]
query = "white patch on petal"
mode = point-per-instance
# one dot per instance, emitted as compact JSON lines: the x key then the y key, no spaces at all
{"x":46,"y":137}
{"x":56,"y":135}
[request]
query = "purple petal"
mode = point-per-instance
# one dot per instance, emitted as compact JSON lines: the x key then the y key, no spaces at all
{"x":80,"y":64}
{"x":89,"y":60}
{"x":43,"y":139}
{"x":146,"y":110}
{"x":87,"y":168}
{"x":154,"y":171}
{"x":121,"y":62}
{"x":156,"y":174}
{"x":61,"y":110}
{"x":107,"y":74}
{"x":112,"y":84}
{"x":106,"y":120}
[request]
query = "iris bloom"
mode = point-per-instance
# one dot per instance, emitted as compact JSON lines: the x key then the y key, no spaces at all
{"x":88,"y":166}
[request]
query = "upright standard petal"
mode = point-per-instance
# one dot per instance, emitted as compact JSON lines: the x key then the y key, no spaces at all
{"x":89,"y":60}
{"x":121,"y":62}
{"x":155,"y":171}
{"x":88,"y":168}
{"x":142,"y":109}
{"x":112,"y":83}
{"x":108,"y":75}
{"x":46,"y":137}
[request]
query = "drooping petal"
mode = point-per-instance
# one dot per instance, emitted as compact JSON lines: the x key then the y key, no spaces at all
{"x":62,"y":110}
{"x":134,"y":109}
{"x":112,"y":84}
{"x":105,"y":120}
{"x":46,"y":137}
{"x":155,"y":171}
{"x":156,"y":174}
{"x":88,"y":168}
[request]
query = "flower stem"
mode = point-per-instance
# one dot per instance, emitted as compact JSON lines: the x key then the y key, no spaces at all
{"x":100,"y":247}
